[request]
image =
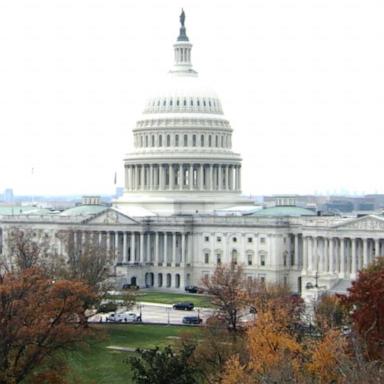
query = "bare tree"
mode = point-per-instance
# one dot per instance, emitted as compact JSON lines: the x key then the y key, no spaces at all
{"x":227,"y":286}
{"x":87,"y":259}
{"x":28,"y":248}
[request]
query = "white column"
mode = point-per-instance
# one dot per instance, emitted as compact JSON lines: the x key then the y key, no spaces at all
{"x":181,"y":176}
{"x":296,"y":261}
{"x":353,"y":255}
{"x":142,"y":183}
{"x":331,"y":256}
{"x":148,"y":253}
{"x":191,"y":177}
{"x":220,"y":178}
{"x":117,"y":256}
{"x":310,"y":253}
{"x":142,"y":247}
{"x":211,"y":177}
{"x":108,"y":245}
{"x":201,"y":178}
{"x":125,"y":253}
{"x":151,"y":183}
{"x":190,"y":249}
{"x":182,"y":249}
{"x":171,"y":177}
{"x":156,"y":248}
{"x":133,"y":246}
{"x":342,"y":257}
{"x":165,"y":258}
{"x":239,"y":177}
{"x":136,"y":177}
{"x":365,"y":252}
{"x":226,"y":177}
{"x":173,"y":248}
{"x":305,"y":254}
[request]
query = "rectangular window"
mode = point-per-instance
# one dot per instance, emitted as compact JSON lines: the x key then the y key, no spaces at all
{"x":206,"y":238}
{"x":218,"y":259}
{"x":176,"y":140}
{"x":206,"y":258}
{"x":218,"y":239}
{"x":185,"y":140}
{"x":250,"y":239}
{"x":262,"y":240}
{"x":249,"y":259}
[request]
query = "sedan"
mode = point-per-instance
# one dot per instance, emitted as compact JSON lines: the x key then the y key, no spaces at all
{"x":183,"y":306}
{"x":192,"y":320}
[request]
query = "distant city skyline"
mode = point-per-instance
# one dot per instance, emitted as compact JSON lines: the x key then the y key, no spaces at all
{"x":300,"y":82}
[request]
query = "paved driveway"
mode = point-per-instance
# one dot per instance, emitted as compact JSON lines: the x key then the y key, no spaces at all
{"x":161,"y":313}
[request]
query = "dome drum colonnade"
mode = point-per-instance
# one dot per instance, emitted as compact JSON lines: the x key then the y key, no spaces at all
{"x":182,"y":177}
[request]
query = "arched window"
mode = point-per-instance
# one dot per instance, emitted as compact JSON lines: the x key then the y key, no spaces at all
{"x":194,"y":140}
{"x":164,"y":103}
{"x":141,"y":141}
{"x":160,"y":140}
{"x":185,"y":102}
{"x":185,"y":140}
{"x":146,"y":141}
{"x":198,"y":102}
{"x":191,"y":102}
{"x":152,"y":140}
{"x":171,"y":102}
{"x":204,"y":103}
{"x":176,"y":140}
{"x":222,"y":141}
{"x":202,"y":141}
{"x":177,"y":102}
{"x":234,"y":255}
{"x":206,"y":257}
{"x":250,"y":258}
{"x":217,"y":141}
{"x":209,"y":141}
{"x":168,"y":140}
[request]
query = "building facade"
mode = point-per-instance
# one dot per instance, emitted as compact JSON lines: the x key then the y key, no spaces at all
{"x":182,"y":212}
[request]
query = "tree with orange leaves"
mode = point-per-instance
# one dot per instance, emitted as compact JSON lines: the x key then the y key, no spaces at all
{"x":38,"y":317}
{"x":365,"y":300}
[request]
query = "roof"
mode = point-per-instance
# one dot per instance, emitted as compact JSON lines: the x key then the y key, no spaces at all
{"x":284,"y":211}
{"x":84,"y":210}
{"x":23,"y":210}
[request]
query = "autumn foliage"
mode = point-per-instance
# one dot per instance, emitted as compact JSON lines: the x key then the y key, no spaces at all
{"x":365,"y":300}
{"x":38,"y":317}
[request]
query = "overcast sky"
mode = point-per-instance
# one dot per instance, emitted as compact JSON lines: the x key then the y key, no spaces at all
{"x":300,"y":81}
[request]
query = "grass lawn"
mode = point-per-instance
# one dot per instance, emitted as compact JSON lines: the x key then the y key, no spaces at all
{"x":95,"y":364}
{"x":172,"y":298}
{"x":168,"y":298}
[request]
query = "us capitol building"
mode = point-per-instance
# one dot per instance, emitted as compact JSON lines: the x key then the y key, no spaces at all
{"x":182,"y":212}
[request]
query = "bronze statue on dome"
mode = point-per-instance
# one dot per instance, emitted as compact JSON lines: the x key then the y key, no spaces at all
{"x":182,"y":17}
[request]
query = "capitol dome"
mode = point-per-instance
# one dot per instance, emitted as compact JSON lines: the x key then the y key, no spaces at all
{"x":182,"y":160}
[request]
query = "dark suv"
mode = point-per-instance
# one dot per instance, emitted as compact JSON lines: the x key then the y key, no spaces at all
{"x":183,"y":306}
{"x":192,"y":320}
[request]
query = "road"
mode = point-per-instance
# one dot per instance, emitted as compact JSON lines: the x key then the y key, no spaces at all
{"x":161,"y":313}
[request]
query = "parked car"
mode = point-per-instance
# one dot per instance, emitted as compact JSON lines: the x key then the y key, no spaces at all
{"x":124,"y":317}
{"x":107,"y":307}
{"x":191,"y":289}
{"x":183,"y":306}
{"x":192,"y":320}
{"x":130,"y":286}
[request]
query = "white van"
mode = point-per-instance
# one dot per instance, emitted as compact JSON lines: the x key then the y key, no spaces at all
{"x":124,"y":317}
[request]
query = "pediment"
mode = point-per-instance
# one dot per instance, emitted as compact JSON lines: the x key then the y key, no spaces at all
{"x":368,"y":223}
{"x":110,"y":216}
